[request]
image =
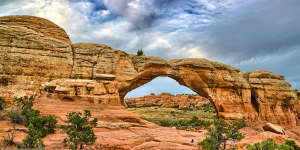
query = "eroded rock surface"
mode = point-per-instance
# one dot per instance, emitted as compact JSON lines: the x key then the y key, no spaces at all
{"x":35,"y":53}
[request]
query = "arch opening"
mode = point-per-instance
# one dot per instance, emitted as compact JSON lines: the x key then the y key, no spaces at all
{"x":165,"y":102}
{"x":159,"y":85}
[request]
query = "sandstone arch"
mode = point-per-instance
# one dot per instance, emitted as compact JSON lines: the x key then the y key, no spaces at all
{"x":104,"y":75}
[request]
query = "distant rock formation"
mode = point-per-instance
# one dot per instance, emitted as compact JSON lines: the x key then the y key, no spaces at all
{"x":37,"y":58}
{"x":168,"y":100}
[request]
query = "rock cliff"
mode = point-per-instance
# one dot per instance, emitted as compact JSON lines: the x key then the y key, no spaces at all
{"x":37,"y":58}
{"x":168,"y":100}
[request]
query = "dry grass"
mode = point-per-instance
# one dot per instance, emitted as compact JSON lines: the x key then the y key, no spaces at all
{"x":170,"y":113}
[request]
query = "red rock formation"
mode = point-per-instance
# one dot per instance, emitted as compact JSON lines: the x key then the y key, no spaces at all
{"x":37,"y":55}
{"x":168,"y":100}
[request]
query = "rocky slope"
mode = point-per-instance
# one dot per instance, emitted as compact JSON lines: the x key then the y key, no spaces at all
{"x":37,"y":58}
{"x":167,"y":100}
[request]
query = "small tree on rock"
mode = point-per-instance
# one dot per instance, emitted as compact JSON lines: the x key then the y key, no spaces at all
{"x":38,"y":128}
{"x":79,"y":129}
{"x":140,"y":52}
{"x":220,"y":132}
{"x":25,"y":104}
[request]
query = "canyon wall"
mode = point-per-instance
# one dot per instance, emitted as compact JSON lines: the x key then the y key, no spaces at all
{"x":37,"y":58}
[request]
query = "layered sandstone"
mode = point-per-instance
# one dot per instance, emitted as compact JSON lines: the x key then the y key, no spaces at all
{"x":37,"y":55}
{"x":168,"y":100}
{"x":32,"y":51}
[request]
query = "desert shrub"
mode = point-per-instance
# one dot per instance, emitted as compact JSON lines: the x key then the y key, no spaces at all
{"x":270,"y":144}
{"x":180,"y":124}
{"x":173,"y":113}
{"x":298,"y":95}
{"x":79,"y":128}
{"x":9,"y":139}
{"x":292,"y":144}
{"x":208,"y":108}
{"x":186,"y":109}
{"x":204,"y":107}
{"x":140,"y":52}
{"x":209,"y":144}
{"x":33,"y":139}
{"x":45,"y":124}
{"x":25,"y":106}
{"x":220,"y":132}
{"x":38,"y":128}
{"x":16,"y":116}
{"x":191,"y":123}
{"x":165,"y":123}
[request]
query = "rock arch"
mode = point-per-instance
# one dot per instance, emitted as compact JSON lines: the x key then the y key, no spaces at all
{"x":105,"y":75}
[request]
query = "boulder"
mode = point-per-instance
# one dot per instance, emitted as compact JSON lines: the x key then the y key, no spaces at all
{"x":273,"y":128}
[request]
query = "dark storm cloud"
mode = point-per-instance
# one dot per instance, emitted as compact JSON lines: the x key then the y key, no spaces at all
{"x":145,"y":14}
{"x":261,"y":35}
{"x":260,"y":29}
{"x":141,"y":14}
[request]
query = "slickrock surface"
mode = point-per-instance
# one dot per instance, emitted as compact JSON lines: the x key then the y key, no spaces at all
{"x":35,"y":53}
{"x":168,"y":100}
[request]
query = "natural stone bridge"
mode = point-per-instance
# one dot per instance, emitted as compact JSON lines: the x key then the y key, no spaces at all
{"x":38,"y":58}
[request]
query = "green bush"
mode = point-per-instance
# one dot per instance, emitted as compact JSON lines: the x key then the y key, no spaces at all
{"x":270,"y":144}
{"x":208,"y":108}
{"x":220,"y":132}
{"x":191,"y":123}
{"x":45,"y":124}
{"x":38,"y":128}
{"x":79,"y":129}
{"x":33,"y":139}
{"x":165,"y":123}
{"x":292,"y":144}
{"x":140,"y":52}
{"x":298,"y":95}
{"x":208,"y":144}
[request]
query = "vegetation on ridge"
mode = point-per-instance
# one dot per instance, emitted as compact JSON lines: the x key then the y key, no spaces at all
{"x":79,"y":128}
{"x":184,"y":118}
{"x":220,"y":132}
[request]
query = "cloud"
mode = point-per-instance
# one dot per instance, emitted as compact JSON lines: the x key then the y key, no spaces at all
{"x":140,"y":13}
{"x":258,"y":29}
{"x":5,"y":2}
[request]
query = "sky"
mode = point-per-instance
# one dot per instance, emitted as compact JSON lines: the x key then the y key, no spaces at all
{"x":247,"y":34}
